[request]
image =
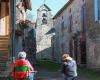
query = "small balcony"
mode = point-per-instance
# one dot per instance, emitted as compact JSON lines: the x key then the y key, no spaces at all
{"x":23,"y":24}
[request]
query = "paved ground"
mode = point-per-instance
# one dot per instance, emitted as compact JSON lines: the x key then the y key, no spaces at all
{"x":47,"y":75}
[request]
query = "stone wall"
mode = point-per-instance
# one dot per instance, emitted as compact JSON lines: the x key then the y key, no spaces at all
{"x":62,"y":26}
{"x":93,"y":37}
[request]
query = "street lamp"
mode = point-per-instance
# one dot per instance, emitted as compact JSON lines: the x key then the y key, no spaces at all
{"x":13,"y":24}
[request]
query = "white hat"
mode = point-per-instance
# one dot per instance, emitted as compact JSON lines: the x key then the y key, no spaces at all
{"x":22,"y":54}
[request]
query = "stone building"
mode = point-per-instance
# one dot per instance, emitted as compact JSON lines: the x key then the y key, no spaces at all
{"x":69,"y":36}
{"x":93,"y":33}
{"x":7,"y":19}
{"x":23,"y":26}
{"x":44,"y":24}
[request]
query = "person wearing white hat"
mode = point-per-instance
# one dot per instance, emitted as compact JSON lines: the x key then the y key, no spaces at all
{"x":22,"y":68}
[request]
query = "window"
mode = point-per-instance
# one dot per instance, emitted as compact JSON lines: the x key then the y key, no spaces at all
{"x":44,"y":15}
{"x":62,"y":28}
{"x":44,"y":21}
{"x":97,"y":10}
{"x":70,"y":26}
{"x":70,"y":21}
{"x":62,"y":17}
{"x":62,"y":47}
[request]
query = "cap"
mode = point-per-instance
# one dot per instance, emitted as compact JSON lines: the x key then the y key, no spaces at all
{"x":22,"y":54}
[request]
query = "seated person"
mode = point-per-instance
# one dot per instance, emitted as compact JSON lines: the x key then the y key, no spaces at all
{"x":22,"y":68}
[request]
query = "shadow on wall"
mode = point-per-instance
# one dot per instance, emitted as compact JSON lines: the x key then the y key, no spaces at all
{"x":45,"y":54}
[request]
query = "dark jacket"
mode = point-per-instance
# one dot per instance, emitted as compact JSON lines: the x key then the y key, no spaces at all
{"x":69,"y":68}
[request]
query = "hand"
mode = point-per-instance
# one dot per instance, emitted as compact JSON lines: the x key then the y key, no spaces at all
{"x":65,"y":63}
{"x":33,"y":71}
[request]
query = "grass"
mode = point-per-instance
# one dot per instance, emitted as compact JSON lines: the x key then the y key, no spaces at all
{"x":45,"y":64}
{"x":90,"y":74}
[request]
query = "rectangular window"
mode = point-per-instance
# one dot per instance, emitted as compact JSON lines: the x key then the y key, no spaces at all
{"x":96,"y":10}
{"x":62,"y":28}
{"x":70,"y":26}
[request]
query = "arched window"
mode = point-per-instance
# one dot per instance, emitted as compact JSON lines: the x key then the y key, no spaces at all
{"x":44,"y":15}
{"x":44,"y":21}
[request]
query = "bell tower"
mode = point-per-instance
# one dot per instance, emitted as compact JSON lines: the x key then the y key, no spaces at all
{"x":44,"y":23}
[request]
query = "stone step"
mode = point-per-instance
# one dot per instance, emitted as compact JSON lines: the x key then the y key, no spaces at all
{"x":3,"y":66}
{"x":2,"y":59}
{"x":4,"y":71}
{"x":4,"y":46}
{"x":3,"y":37}
{"x":3,"y":43}
{"x":3,"y":49}
{"x":5,"y":55}
{"x":4,"y":40}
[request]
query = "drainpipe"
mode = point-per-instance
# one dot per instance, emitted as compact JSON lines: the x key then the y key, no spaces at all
{"x":13,"y":25}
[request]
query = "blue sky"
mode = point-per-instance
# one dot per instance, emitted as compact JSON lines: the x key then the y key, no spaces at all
{"x":54,"y":5}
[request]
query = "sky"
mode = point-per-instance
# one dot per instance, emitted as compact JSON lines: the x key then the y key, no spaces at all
{"x":54,"y":5}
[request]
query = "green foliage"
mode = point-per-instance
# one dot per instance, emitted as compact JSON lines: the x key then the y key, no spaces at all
{"x":49,"y":65}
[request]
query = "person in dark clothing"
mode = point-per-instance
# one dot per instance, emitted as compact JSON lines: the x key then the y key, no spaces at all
{"x":69,"y":67}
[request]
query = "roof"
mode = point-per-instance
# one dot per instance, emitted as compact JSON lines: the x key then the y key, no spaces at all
{"x":52,"y":30}
{"x":46,"y":7}
{"x":63,"y":8}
